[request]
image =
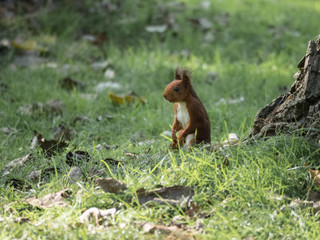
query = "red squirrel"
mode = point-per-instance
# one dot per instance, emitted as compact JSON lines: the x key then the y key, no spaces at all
{"x":190,"y":116}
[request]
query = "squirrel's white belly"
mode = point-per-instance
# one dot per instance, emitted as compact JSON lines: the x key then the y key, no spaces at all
{"x":184,"y":119}
{"x":182,"y":114}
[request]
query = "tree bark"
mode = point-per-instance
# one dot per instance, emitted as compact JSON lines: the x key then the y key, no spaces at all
{"x":299,"y":109}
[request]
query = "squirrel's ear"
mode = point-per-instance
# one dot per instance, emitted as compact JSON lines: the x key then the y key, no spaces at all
{"x":185,"y":79}
{"x":177,"y":75}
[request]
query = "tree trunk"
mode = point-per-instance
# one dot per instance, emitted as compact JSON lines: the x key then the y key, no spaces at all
{"x":299,"y":109}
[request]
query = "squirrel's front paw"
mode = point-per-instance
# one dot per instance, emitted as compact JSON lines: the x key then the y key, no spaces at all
{"x":174,"y":145}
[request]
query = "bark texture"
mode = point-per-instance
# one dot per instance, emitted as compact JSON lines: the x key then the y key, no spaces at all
{"x":299,"y":109}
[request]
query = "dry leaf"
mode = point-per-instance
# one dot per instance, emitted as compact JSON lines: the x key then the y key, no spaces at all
{"x":34,"y":176}
{"x":17,"y":163}
{"x":74,"y":175}
{"x":77,"y":157}
{"x":111,"y":185}
{"x":56,"y":199}
{"x":28,"y":46}
{"x":193,"y":211}
{"x":107,"y":85}
{"x":156,"y":28}
{"x":316,"y":176}
{"x":50,"y":146}
{"x":63,"y":134}
{"x":109,"y":73}
{"x":81,"y":119}
{"x":127,"y":99}
{"x":100,"y":65}
{"x":175,"y":195}
{"x":70,"y":84}
{"x":98,"y":215}
{"x":17,"y":183}
{"x":313,"y":206}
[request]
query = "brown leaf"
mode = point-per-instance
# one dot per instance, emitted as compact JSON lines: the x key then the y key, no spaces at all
{"x":193,"y":211}
{"x":112,"y":161}
{"x":56,"y":199}
{"x":63,"y":134}
{"x":81,"y":119}
{"x":175,"y":195}
{"x":17,"y":163}
{"x":316,"y":176}
{"x":17,"y":183}
{"x":69,"y":84}
{"x":111,"y":185}
{"x":94,"y":172}
{"x":74,"y":175}
{"x":77,"y":157}
{"x":50,"y":146}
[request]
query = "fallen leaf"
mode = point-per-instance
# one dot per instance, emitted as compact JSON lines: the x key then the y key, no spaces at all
{"x":131,"y":98}
{"x":94,"y":172}
{"x":315,"y":176}
{"x":175,"y":195}
{"x":107,"y":85}
{"x":131,"y":155}
{"x":100,"y":65}
{"x":27,"y":45}
{"x":77,"y":157}
{"x":56,"y":199}
{"x":111,"y":185}
{"x":212,"y":76}
{"x":112,"y":161}
{"x":69,"y":84}
{"x":156,"y":28}
{"x":179,"y":221}
{"x":34,"y":176}
{"x":81,"y":119}
{"x":302,"y":204}
{"x":193,"y":211}
{"x":314,"y":196}
{"x":98,"y":215}
{"x":109,"y":73}
{"x":50,"y":146}
{"x":74,"y":175}
{"x":63,"y":134}
{"x":17,"y":163}
{"x":230,"y":101}
{"x":17,"y":183}
{"x":100,"y":39}
{"x":203,"y":23}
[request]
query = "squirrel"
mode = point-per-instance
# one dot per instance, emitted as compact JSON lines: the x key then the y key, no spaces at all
{"x":191,"y":121}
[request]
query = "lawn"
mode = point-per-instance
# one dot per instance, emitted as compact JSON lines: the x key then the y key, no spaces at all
{"x":89,"y":76}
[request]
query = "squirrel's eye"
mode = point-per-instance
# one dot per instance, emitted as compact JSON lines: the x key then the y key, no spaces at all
{"x":176,"y":89}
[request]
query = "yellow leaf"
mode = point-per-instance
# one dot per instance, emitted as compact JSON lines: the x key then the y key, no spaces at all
{"x":130,"y":98}
{"x":116,"y":99}
{"x":27,"y":46}
{"x":316,"y":176}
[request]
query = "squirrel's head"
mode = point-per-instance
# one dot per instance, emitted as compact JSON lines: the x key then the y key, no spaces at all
{"x":180,"y":88}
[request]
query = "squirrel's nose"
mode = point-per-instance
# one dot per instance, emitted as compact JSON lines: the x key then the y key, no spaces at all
{"x":164,"y":96}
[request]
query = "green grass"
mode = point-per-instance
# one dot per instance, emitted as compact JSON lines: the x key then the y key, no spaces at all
{"x":254,"y":52}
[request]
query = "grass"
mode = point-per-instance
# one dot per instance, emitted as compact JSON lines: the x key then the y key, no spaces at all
{"x":255,"y":50}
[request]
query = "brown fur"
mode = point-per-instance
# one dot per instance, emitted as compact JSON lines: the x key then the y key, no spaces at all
{"x":199,"y":121}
